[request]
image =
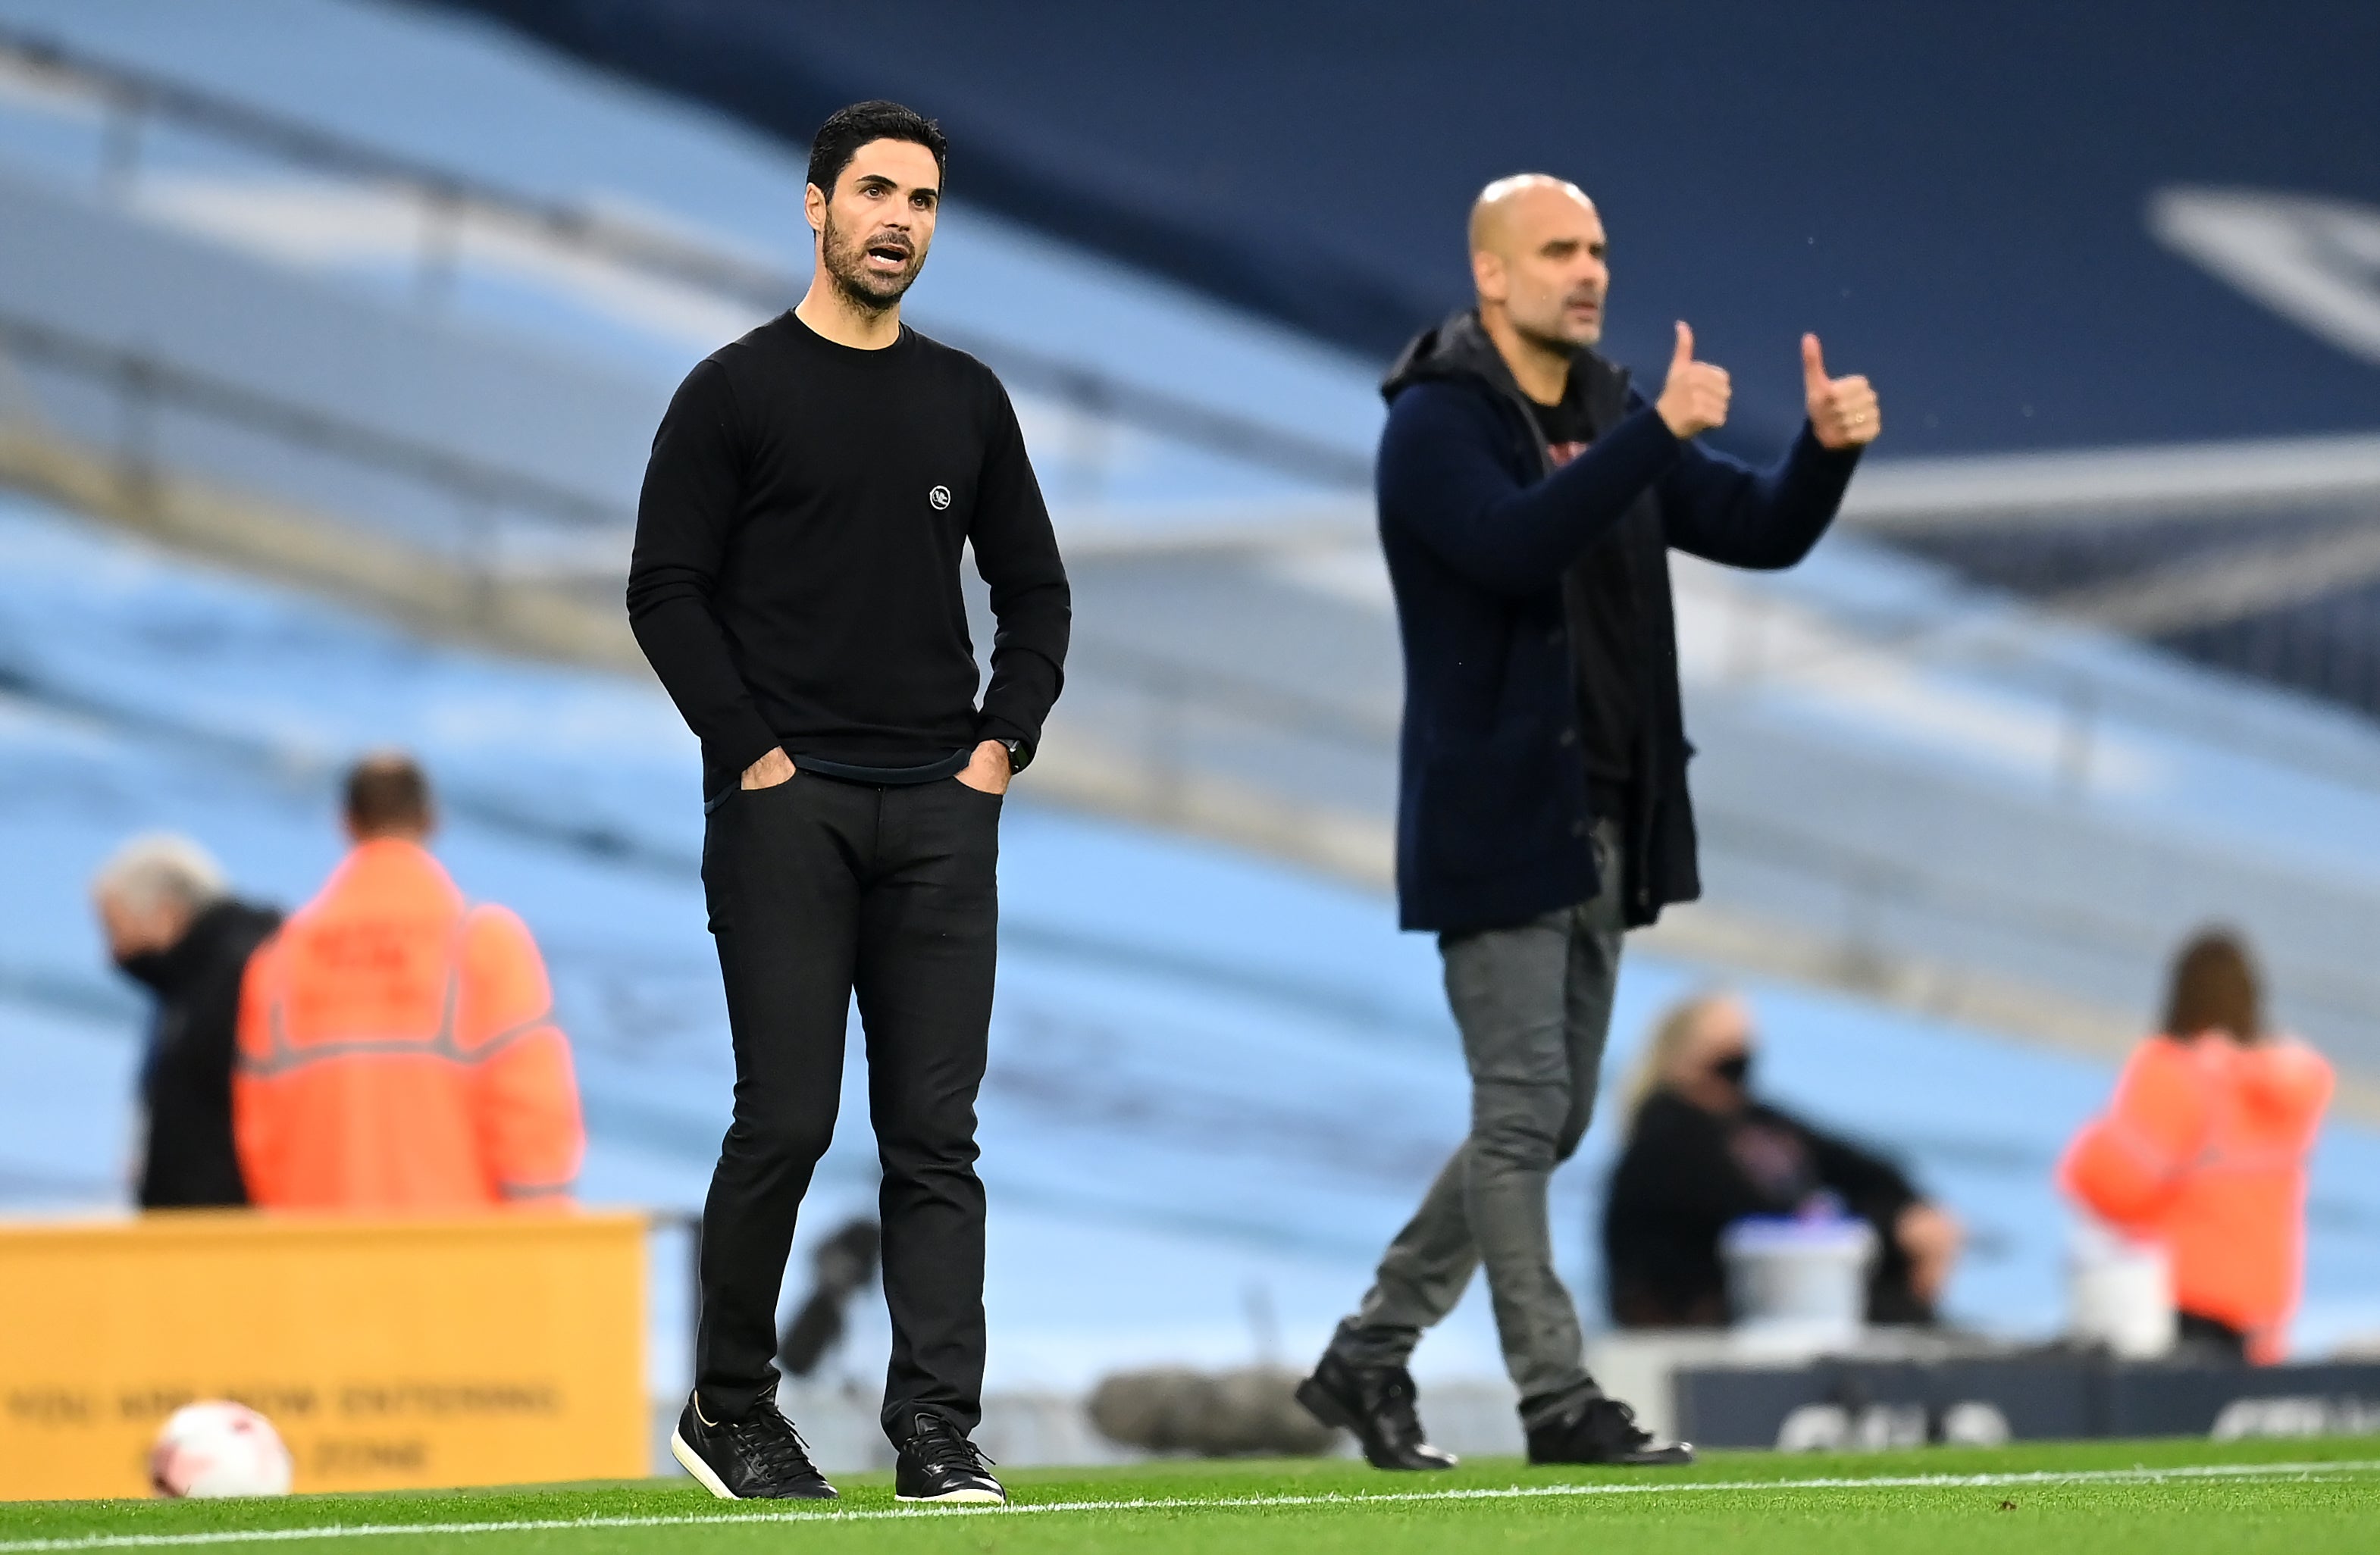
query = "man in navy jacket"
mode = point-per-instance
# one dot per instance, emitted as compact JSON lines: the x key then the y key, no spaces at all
{"x":1528,"y":499}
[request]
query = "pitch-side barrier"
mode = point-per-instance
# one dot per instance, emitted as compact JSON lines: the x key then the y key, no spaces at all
{"x":389,"y":1354}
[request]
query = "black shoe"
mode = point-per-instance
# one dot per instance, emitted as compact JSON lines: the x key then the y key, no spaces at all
{"x":760,"y":1457}
{"x":939,"y":1463}
{"x":1603,"y":1430}
{"x":1377,"y":1403}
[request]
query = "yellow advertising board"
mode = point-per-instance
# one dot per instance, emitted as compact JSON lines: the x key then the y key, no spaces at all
{"x":390,"y":1354}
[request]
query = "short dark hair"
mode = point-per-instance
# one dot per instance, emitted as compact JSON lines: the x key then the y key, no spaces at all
{"x":387,"y":793}
{"x":847,"y":130}
{"x":2215,"y":989}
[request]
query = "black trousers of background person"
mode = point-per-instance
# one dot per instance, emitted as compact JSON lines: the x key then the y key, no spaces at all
{"x":817,"y":890}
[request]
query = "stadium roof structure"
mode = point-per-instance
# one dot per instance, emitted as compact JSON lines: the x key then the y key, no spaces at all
{"x":2040,"y":226}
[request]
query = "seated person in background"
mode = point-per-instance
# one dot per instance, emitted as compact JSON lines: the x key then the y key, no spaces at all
{"x":172,"y":926}
{"x":2205,"y":1148}
{"x":1702,"y":1154}
{"x":397,"y":1049}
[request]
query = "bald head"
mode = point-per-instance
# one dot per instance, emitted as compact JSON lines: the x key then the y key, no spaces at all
{"x":1506,"y":204}
{"x":1538,"y":262}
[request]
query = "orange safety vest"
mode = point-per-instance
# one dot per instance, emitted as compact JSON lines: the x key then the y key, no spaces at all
{"x":397,"y":1050}
{"x":2204,"y":1151}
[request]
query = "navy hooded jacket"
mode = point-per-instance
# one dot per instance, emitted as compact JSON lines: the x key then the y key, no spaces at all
{"x":1493,"y":823}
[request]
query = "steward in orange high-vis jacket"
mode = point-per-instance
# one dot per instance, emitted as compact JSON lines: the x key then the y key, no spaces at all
{"x":397,"y":1050}
{"x":2204,"y":1151}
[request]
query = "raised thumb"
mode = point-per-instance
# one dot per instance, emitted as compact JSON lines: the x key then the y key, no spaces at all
{"x":1686,"y":352}
{"x":1813,"y":365}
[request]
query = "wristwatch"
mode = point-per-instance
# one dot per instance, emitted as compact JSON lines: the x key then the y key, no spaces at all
{"x":1020,"y":755}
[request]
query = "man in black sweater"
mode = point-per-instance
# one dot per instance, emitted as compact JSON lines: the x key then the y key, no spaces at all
{"x":795,"y":585}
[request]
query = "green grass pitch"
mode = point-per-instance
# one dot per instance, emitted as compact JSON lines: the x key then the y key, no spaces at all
{"x":2305,"y":1497}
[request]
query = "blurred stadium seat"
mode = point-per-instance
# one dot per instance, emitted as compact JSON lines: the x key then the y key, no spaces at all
{"x":1192,"y":1051}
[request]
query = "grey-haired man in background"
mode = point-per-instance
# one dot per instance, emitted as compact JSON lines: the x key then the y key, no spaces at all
{"x":173,"y":926}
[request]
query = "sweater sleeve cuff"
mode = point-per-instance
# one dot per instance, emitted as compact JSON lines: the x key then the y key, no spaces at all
{"x":752,"y":739}
{"x":1806,"y":447}
{"x":1644,"y":435}
{"x":991,"y":726}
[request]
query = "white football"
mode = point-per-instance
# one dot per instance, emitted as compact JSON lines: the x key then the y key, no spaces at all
{"x":219,"y":1449}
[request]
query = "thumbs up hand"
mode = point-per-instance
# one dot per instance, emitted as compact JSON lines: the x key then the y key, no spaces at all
{"x":1843,"y":411}
{"x":1693,"y":398}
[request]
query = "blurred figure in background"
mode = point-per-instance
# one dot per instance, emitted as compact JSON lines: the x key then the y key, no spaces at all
{"x":842,"y":1265}
{"x":1702,"y":1154}
{"x":172,"y":926}
{"x":397,"y":1049}
{"x":1529,"y":499}
{"x":2204,"y":1149}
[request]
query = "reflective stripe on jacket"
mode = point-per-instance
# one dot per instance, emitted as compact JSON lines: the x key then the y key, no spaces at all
{"x":397,"y":1050}
{"x":2204,"y":1151}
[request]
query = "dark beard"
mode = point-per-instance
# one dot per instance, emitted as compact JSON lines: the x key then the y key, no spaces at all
{"x":845,"y":261}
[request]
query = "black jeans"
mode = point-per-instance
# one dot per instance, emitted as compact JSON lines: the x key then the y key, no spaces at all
{"x":818,"y":890}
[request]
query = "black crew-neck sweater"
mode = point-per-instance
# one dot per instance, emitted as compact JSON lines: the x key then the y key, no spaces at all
{"x":796,"y":580}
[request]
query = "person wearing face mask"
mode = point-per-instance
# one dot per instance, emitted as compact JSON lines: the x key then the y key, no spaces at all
{"x":1702,"y":1154}
{"x":172,"y":926}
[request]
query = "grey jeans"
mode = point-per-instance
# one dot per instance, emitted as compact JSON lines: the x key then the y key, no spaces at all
{"x":1534,"y":1003}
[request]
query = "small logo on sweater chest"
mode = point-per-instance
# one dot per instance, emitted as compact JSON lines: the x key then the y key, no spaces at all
{"x":940,"y":496}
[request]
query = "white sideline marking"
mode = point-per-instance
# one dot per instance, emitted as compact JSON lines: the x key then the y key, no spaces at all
{"x":1185,"y":1504}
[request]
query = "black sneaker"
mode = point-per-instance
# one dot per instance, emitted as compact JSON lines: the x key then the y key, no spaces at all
{"x":1603,"y":1430}
{"x":939,"y":1463}
{"x":760,"y":1457}
{"x":1377,"y":1403}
